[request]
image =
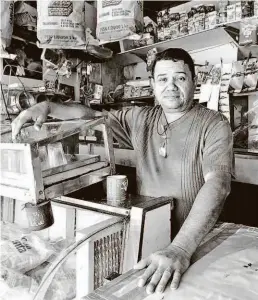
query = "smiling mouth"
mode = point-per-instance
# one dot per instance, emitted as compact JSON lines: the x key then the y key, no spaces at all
{"x":172,"y":96}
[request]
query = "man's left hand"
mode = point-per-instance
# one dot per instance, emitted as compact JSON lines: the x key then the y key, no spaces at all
{"x":163,"y":265}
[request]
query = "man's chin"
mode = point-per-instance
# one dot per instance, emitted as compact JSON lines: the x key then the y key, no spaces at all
{"x":172,"y":105}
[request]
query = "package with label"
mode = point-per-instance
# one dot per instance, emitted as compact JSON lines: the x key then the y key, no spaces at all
{"x":200,"y":18}
{"x":63,"y":24}
{"x":248,"y":32}
{"x":15,"y":283}
{"x":237,"y":76}
{"x":175,"y":26}
{"x":191,"y":26}
{"x":56,"y":156}
{"x":24,"y":253}
{"x":183,"y":24}
{"x":25,"y":15}
{"x":160,"y":32}
{"x":223,"y":11}
{"x":247,"y":8}
{"x":231,"y":13}
{"x":210,"y":16}
{"x":238,"y":11}
{"x":256,"y":8}
{"x":251,"y":75}
{"x":119,"y":19}
{"x":6,"y":23}
{"x":63,"y":285}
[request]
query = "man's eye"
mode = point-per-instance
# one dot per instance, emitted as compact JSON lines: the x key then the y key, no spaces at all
{"x":163,"y":79}
{"x":181,"y":78}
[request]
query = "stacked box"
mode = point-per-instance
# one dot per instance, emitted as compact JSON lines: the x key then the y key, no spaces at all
{"x":60,"y":8}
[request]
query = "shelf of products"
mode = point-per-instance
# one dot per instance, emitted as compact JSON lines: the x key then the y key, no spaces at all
{"x":245,"y":94}
{"x":220,"y":34}
{"x":204,"y":39}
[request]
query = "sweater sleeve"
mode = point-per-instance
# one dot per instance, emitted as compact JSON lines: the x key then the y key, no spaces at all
{"x":121,"y":122}
{"x":218,"y":149}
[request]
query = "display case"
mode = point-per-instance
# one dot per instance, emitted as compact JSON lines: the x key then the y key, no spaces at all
{"x":35,"y":168}
{"x":90,"y":243}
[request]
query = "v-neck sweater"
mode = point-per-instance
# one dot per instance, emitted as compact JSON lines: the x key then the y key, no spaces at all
{"x":197,"y":143}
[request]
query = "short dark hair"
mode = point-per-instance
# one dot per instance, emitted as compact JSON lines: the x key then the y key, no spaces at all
{"x":174,"y":54}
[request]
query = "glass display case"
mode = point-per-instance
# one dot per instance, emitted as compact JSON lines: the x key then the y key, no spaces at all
{"x":89,"y":243}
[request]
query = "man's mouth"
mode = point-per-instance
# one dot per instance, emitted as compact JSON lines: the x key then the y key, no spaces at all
{"x":171,"y":96}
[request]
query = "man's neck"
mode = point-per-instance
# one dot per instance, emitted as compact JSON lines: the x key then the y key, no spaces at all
{"x":172,"y":117}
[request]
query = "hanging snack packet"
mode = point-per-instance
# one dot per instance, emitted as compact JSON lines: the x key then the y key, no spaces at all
{"x":251,"y":75}
{"x":7,"y":17}
{"x":61,"y":24}
{"x":119,"y":19}
{"x":237,"y":76}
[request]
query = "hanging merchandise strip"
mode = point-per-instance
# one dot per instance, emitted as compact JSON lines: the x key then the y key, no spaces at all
{"x":224,"y":106}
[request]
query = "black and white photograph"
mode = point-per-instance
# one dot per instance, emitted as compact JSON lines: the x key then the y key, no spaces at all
{"x":129,"y":150}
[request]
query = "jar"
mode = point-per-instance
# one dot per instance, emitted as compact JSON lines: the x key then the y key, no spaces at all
{"x":160,"y":33}
{"x":183,"y":24}
{"x":19,"y":100}
{"x":166,"y":18}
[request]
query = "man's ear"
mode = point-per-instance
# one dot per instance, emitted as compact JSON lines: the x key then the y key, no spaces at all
{"x":152,"y":82}
{"x":195,"y":79}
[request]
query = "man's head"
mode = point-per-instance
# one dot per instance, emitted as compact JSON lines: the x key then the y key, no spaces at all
{"x":173,"y":78}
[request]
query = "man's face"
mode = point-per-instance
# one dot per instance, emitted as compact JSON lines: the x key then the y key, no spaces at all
{"x":173,"y":85}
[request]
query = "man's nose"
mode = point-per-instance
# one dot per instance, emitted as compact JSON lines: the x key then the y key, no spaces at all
{"x":171,"y":85}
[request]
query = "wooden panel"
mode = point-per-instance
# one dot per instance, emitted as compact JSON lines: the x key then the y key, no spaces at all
{"x":246,"y":169}
{"x":85,"y":256}
{"x":69,"y":186}
{"x":156,"y":234}
{"x":7,"y":209}
{"x":73,"y":173}
{"x":82,"y":160}
{"x":108,"y":141}
{"x":17,"y":193}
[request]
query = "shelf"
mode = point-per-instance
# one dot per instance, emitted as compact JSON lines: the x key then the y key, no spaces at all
{"x":244,"y":94}
{"x":202,"y":40}
{"x":144,"y":98}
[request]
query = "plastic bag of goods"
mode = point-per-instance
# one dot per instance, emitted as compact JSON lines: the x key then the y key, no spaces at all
{"x":23,"y":253}
{"x":7,"y":17}
{"x":63,"y":285}
{"x":15,"y":285}
{"x":61,"y":24}
{"x":119,"y":19}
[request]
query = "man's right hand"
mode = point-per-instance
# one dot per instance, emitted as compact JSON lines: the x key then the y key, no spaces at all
{"x":37,"y":113}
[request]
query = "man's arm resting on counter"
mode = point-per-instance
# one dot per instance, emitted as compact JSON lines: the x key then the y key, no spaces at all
{"x":39,"y":112}
{"x":70,"y":111}
{"x":204,"y":212}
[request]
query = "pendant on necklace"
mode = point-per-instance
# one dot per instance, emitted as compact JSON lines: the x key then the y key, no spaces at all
{"x":163,"y":150}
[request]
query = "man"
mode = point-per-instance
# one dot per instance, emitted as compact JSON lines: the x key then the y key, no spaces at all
{"x":183,"y":150}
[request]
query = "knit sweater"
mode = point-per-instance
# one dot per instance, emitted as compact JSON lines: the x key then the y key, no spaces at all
{"x":197,"y":143}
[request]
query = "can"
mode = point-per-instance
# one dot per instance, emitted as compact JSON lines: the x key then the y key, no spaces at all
{"x":117,"y":189}
{"x":19,"y":100}
{"x":98,"y":91}
{"x":40,"y":216}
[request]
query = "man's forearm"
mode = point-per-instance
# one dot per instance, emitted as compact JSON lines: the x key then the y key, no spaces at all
{"x":68,"y":111}
{"x":204,"y":213}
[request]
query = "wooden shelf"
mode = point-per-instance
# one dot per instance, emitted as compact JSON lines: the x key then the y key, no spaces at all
{"x":205,"y":39}
{"x":202,"y":40}
{"x":244,"y":94}
{"x":246,"y":152}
